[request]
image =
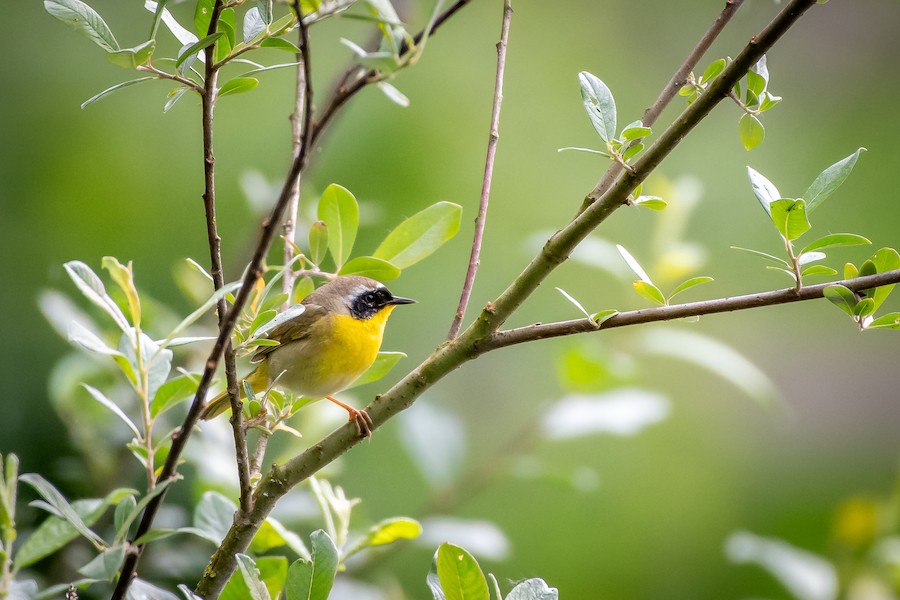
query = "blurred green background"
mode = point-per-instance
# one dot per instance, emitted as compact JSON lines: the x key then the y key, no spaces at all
{"x":123,"y":179}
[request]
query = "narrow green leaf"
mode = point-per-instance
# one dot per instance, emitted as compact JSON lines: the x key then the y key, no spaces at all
{"x":651,"y":202}
{"x":384,"y":362}
{"x":789,"y":217}
{"x":751,"y":130}
{"x":83,"y":19}
{"x":61,"y":506}
{"x":369,"y":266}
{"x":157,"y":16}
{"x":888,"y":321}
{"x":122,"y":509}
{"x":312,"y":580}
{"x":575,"y":302}
{"x":689,"y":284}
{"x":113,"y":89}
{"x":599,"y":104}
{"x":279,"y":44}
{"x":829,"y":180}
{"x":788,"y":272}
{"x":202,"y":16}
{"x":841,"y":297}
{"x":124,"y":278}
{"x":251,"y":575}
{"x":318,"y":241}
{"x":633,"y":264}
{"x":650,"y":292}
{"x":228,"y":26}
{"x":632,"y":151}
{"x":138,"y":508}
{"x":634,"y":131}
{"x":238,"y":85}
{"x":588,"y":150}
{"x":768,"y":101}
{"x":197,"y":46}
{"x":339,"y":211}
{"x":459,"y":574}
{"x":102,"y":399}
{"x":774,"y":259}
{"x":420,"y":235}
{"x":764,"y":190}
{"x":393,"y":94}
{"x":92,"y":288}
{"x":836,"y":239}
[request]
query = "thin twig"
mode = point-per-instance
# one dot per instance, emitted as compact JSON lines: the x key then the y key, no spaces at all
{"x":174,"y":77}
{"x":651,"y":114}
{"x":180,"y":438}
{"x":356,"y":78}
{"x":519,"y":335}
{"x":474,"y":257}
{"x":470,"y":344}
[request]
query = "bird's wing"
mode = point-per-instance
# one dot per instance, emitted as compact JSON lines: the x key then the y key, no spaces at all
{"x":291,"y":330}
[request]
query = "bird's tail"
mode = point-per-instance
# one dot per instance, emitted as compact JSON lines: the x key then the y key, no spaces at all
{"x":258,"y":380}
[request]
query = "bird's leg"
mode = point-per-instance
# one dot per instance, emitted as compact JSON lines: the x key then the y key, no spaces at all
{"x":360,"y":418}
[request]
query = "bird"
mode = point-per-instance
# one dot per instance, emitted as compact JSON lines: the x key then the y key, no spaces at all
{"x":325,"y":343}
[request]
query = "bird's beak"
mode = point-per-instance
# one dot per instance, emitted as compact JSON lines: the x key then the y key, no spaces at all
{"x":401,"y":300}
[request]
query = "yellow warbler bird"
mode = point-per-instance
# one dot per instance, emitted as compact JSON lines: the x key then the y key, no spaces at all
{"x":324,"y":344}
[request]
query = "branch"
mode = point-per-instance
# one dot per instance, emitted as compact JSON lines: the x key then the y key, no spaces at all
{"x":474,"y":257}
{"x":519,"y":335}
{"x":471,"y":343}
{"x":356,"y":77}
{"x":671,"y":88}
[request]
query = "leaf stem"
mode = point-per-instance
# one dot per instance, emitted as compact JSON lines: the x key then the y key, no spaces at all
{"x":474,"y":257}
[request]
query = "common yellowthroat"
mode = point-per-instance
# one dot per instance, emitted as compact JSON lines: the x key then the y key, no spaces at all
{"x":324,"y":344}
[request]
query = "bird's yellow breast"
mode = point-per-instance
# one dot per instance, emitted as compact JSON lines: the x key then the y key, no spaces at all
{"x":338,"y":350}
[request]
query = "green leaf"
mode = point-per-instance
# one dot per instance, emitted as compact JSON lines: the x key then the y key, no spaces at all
{"x":197,"y":46}
{"x":393,"y":94}
{"x":604,"y":315}
{"x":55,"y":532}
{"x":133,"y":57}
{"x":535,"y":589}
{"x":764,"y":190}
{"x":279,"y":44}
{"x":251,"y":576}
{"x":886,"y":259}
{"x":92,"y":288}
{"x":829,"y":180}
{"x":138,"y":508}
{"x":789,"y":217}
{"x":420,"y":235}
{"x":384,"y":362}
{"x":202,"y":16}
{"x":109,"y":404}
{"x":588,"y":150}
{"x":124,"y":278}
{"x":818,"y":270}
{"x":122,"y":509}
{"x":774,"y":259}
{"x":272,"y":534}
{"x":841,"y":297}
{"x":768,"y":101}
{"x":113,"y":89}
{"x":713,"y":70}
{"x":339,"y":211}
{"x":632,"y":151}
{"x":888,"y":321}
{"x":651,"y":202}
{"x":689,"y":284}
{"x":227,"y":25}
{"x":756,"y":84}
{"x":82,"y":336}
{"x":387,"y":532}
{"x":171,"y":393}
{"x":864,"y":307}
{"x":633,"y":264}
{"x":318,"y":241}
{"x":459,"y":574}
{"x":634,"y":131}
{"x":650,"y":292}
{"x":61,"y":506}
{"x":105,"y":566}
{"x":369,"y":266}
{"x":313,"y":579}
{"x":834,"y":240}
{"x":751,"y":130}
{"x":213,"y":517}
{"x":850,"y":271}
{"x":238,"y":85}
{"x":599,"y":104}
{"x":575,"y":302}
{"x":83,"y":19}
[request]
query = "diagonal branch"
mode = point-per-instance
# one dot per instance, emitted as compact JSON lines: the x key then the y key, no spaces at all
{"x":474,"y":257}
{"x":475,"y":339}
